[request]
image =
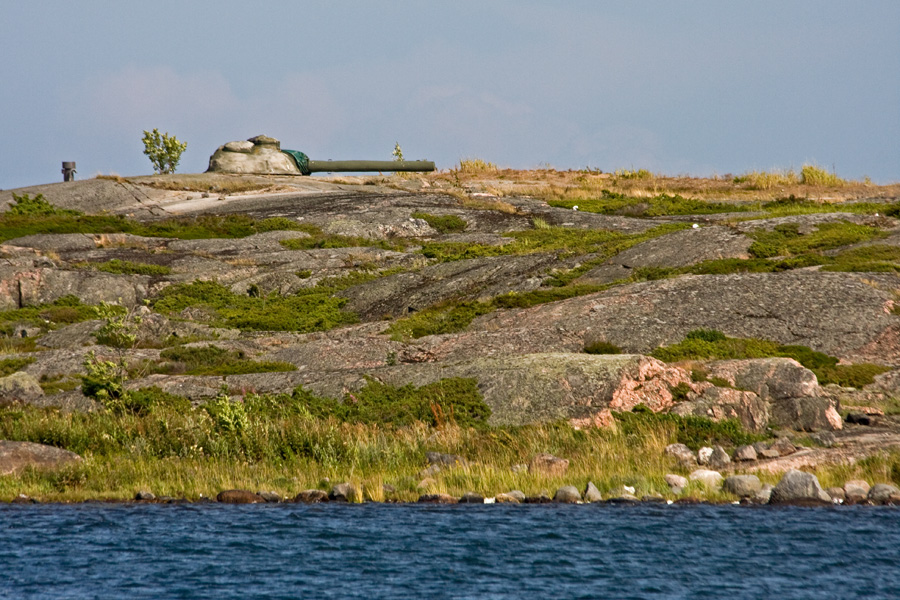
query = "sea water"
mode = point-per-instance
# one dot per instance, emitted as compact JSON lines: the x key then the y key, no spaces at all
{"x":464,"y":551}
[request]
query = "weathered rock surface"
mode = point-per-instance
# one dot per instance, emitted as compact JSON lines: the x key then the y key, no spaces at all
{"x":311,"y":496}
{"x":513,"y":497}
{"x":239,"y":497}
{"x":884,"y":493}
{"x":344,"y":492}
{"x":842,"y":315}
{"x":708,"y":478}
{"x":528,"y":362}
{"x":548,"y":465}
{"x":719,"y":458}
{"x":718,"y":403}
{"x":567,"y":494}
{"x":791,"y":390}
{"x":857,"y":489}
{"x":481,"y":278}
{"x":678,"y":249}
{"x":258,"y":155}
{"x":19,"y":388}
{"x":743,"y":486}
{"x":799,"y":487}
{"x":744,"y":453}
{"x":15,"y":456}
{"x":437,"y":499}
{"x":591,"y":493}
{"x":676,"y":483}
{"x":682,"y":453}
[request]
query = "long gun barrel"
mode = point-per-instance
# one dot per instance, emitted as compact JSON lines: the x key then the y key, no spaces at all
{"x":346,"y":166}
{"x":308,"y":166}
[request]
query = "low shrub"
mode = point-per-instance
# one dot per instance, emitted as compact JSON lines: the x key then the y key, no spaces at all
{"x":212,"y":360}
{"x":27,"y":206}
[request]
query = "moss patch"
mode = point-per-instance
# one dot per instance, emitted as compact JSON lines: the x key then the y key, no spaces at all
{"x":314,"y":310}
{"x":442,"y":223}
{"x":8,"y":366}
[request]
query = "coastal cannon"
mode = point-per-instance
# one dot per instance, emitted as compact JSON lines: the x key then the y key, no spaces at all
{"x":263,"y":155}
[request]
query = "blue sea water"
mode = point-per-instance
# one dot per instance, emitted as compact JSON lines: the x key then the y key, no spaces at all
{"x":416,"y":551}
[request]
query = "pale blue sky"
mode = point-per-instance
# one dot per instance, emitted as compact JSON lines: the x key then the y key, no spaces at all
{"x":697,"y":87}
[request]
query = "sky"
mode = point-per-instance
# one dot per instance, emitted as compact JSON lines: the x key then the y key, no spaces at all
{"x":677,"y":87}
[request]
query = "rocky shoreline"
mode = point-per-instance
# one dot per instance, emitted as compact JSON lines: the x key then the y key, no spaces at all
{"x":557,"y":314}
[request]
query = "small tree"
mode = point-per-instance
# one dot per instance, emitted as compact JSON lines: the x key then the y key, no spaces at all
{"x":164,"y":151}
{"x":398,"y":152}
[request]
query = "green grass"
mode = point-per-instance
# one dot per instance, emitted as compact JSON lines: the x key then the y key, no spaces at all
{"x":813,"y":175}
{"x":614,"y":203}
{"x":711,"y":344}
{"x":692,"y":431}
{"x":319,"y":239}
{"x":442,"y":223}
{"x":212,"y":360}
{"x":316,"y":309}
{"x":291,"y":442}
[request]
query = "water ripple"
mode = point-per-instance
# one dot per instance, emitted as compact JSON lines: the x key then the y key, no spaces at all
{"x":382,"y":551}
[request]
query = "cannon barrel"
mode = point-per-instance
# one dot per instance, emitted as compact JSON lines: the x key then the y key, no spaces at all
{"x":348,"y":166}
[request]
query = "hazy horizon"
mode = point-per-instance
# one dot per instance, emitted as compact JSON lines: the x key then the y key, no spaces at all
{"x":695,"y":88}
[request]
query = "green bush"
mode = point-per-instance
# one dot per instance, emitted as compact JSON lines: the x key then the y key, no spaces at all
{"x":64,"y":311}
{"x":25,"y":205}
{"x":163,"y":151}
